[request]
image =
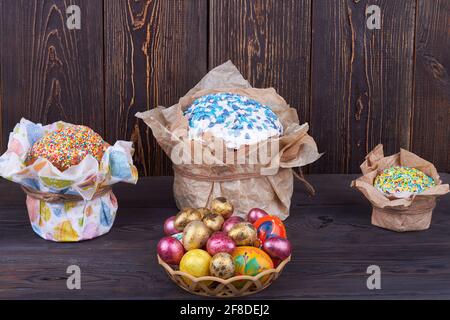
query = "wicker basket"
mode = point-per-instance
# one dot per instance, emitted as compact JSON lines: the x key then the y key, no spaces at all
{"x":219,"y":288}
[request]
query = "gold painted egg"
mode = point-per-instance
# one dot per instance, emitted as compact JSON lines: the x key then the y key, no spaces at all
{"x":203,"y":211}
{"x":195,"y":235}
{"x":185,"y":216}
{"x":223,"y":207}
{"x":222,"y":265}
{"x":213,"y":221}
{"x":243,"y":234}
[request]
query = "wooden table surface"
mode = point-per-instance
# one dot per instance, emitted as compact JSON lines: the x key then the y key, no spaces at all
{"x":333,"y":240}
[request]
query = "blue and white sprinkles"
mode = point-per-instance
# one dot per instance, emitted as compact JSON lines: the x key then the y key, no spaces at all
{"x":236,"y":119}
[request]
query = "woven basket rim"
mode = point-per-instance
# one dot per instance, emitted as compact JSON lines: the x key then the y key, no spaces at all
{"x":171,"y":271}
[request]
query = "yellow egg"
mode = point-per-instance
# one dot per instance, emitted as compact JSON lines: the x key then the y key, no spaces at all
{"x":196,"y":263}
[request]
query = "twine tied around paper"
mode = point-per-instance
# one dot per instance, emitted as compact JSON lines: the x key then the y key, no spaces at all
{"x":57,"y":197}
{"x":238,"y":176}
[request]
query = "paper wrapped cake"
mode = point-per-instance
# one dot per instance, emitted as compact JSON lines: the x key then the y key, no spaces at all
{"x":402,"y":188}
{"x":228,"y":139}
{"x":67,"y":172}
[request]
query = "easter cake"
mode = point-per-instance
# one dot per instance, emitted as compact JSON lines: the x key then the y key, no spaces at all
{"x":402,"y":182}
{"x":234,"y":118}
{"x":68,"y":146}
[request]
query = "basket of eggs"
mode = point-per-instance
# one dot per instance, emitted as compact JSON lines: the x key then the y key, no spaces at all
{"x":210,"y":252}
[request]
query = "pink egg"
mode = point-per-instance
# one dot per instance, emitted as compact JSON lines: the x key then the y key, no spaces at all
{"x":169,"y":226}
{"x":256,"y":213}
{"x":170,"y":250}
{"x":230,"y":222}
{"x":277,"y":247}
{"x":220,"y":242}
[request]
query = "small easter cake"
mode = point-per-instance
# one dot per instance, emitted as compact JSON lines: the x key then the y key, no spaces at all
{"x":68,"y":146}
{"x":236,"y":119}
{"x":402,"y":182}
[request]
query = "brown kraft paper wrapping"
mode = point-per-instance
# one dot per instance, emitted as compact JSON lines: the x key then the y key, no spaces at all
{"x":399,"y":214}
{"x":264,"y":184}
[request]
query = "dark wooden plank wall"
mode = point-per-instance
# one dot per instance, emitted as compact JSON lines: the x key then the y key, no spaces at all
{"x":356,"y":87}
{"x":431,"y":109}
{"x":48,"y":72}
{"x":155,"y":52}
{"x":361,"y":80}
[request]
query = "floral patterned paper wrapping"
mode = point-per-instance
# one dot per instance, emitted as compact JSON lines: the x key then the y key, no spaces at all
{"x":67,"y":221}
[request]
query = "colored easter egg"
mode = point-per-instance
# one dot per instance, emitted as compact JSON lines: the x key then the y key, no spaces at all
{"x":169,"y":226}
{"x":230,"y":222}
{"x":251,"y":261}
{"x":255,"y":214}
{"x":220,"y":242}
{"x":277,"y":247}
{"x":195,"y":235}
{"x":223,"y":207}
{"x":243,"y":234}
{"x":222,"y":265}
{"x":268,"y":227}
{"x":170,"y":250}
{"x":178,"y":236}
{"x":196,"y":263}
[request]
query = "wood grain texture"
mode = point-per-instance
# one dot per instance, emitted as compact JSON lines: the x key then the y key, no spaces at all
{"x":155,"y":52}
{"x":332,"y":237}
{"x":269,"y":41}
{"x":431,"y":113}
{"x":1,"y":80}
{"x":361,"y":81}
{"x":356,"y":87}
{"x":49,"y":72}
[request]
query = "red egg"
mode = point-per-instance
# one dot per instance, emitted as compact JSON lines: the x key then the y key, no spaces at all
{"x":276,"y":262}
{"x":169,"y":226}
{"x":170,"y":250}
{"x":268,"y":227}
{"x":220,"y":242}
{"x":230,"y":222}
{"x":256,"y":213}
{"x":277,"y":247}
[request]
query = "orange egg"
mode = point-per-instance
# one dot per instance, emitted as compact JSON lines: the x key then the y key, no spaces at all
{"x":250,"y":261}
{"x":268,"y":227}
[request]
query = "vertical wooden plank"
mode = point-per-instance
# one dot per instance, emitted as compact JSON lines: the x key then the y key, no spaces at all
{"x":155,"y":52}
{"x":361,"y":80}
{"x":330,"y":82}
{"x":431,"y":113}
{"x":49,"y":72}
{"x":269,"y":41}
{"x":1,"y":80}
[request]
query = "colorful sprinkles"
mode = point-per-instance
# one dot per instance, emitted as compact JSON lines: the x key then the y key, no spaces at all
{"x":236,"y":119}
{"x":68,"y":146}
{"x":402,"y":181}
